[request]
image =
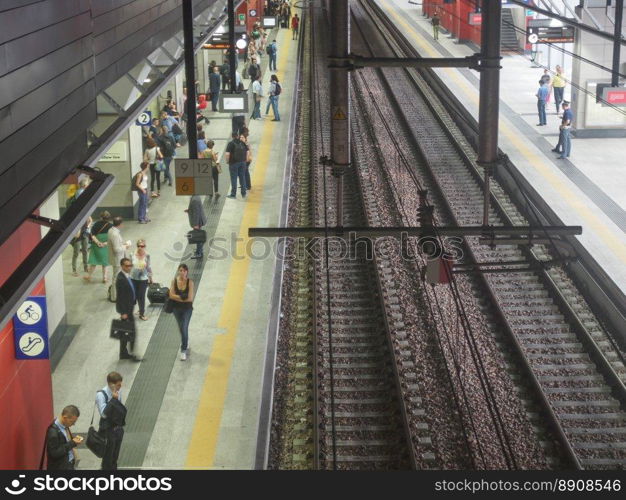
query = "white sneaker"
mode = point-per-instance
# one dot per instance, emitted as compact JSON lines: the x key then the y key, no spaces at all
{"x":183,"y":356}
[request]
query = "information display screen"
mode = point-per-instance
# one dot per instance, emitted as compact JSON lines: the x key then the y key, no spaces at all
{"x":269,"y":22}
{"x":233,"y":103}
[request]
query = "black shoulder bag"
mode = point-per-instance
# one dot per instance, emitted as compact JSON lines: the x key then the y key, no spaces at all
{"x":96,"y":442}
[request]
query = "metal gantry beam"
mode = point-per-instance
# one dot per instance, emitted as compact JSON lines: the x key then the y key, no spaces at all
{"x":358,"y":62}
{"x":619,"y":15}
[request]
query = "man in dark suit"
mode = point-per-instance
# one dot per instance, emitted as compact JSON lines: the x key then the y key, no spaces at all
{"x":60,"y":443}
{"x":125,"y":304}
{"x":197,"y":219}
{"x":215,"y":83}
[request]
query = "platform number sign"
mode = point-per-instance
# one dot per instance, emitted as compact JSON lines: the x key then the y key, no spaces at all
{"x":193,"y":177}
{"x":30,"y":329}
{"x":144,"y":118}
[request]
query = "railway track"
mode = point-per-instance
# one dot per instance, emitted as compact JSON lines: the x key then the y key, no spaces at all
{"x":570,"y":362}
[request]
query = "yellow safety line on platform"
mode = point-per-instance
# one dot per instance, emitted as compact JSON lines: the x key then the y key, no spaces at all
{"x":538,"y":162}
{"x":204,"y":438}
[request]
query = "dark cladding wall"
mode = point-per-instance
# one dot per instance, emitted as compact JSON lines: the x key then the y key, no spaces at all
{"x":55,"y":57}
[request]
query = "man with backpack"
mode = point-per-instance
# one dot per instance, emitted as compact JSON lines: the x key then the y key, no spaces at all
{"x":167,"y":146}
{"x":225,"y":74}
{"x":112,"y":419}
{"x":275,"y":91}
{"x":272,"y":50}
{"x":237,"y":154}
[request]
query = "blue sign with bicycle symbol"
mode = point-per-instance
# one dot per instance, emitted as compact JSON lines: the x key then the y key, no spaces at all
{"x":30,"y":327}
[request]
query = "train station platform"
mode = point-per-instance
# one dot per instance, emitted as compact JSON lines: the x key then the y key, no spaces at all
{"x":587,"y":189}
{"x":201,"y":413}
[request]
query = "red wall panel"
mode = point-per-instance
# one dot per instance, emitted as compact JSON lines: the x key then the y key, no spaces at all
{"x":454,"y":18}
{"x":25,"y":386}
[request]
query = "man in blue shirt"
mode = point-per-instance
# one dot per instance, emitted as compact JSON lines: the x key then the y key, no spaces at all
{"x":542,"y":97}
{"x":60,"y":443}
{"x":564,"y":146}
{"x":112,"y":419}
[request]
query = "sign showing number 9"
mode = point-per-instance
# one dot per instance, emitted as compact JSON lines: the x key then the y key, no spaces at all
{"x":184,"y":167}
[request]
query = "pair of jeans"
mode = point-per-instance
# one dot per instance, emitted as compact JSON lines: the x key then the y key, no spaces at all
{"x":183,"y":317}
{"x":155,"y":175}
{"x":256,"y":112}
{"x":140,"y":289}
{"x":541,"y":108}
{"x":143,"y":206}
{"x":246,"y":176}
{"x":166,"y":173}
{"x":558,"y":96}
{"x":273,"y":62}
{"x":112,"y":450}
{"x":237,"y":171}
{"x":214,"y":99}
{"x":567,"y":142}
{"x":80,"y":244}
{"x":273,"y":101}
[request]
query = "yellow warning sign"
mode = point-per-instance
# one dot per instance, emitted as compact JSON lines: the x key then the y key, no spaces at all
{"x":339,"y":114}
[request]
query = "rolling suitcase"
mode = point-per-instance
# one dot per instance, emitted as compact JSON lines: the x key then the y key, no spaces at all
{"x":157,"y":294}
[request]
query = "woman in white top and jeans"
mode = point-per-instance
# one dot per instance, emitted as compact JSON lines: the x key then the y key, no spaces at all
{"x":151,"y":155}
{"x":141,"y":274}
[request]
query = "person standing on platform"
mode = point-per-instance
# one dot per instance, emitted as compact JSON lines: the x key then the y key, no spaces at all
{"x":244,"y":138}
{"x":295,"y":26}
{"x":167,"y":146}
{"x":181,"y":295}
{"x":99,"y":253}
{"x":272,"y":51}
{"x":558,"y":84}
{"x":117,"y":250}
{"x":80,"y":243}
{"x":274,"y":94}
{"x":238,"y":123}
{"x":564,"y":146}
{"x":141,"y":274}
{"x":254,"y":70}
{"x":215,"y":83}
{"x":126,"y":297}
{"x":435,"y":22}
{"x":225,"y":74}
{"x":257,"y":93}
{"x":141,"y":182}
{"x":216,"y":168}
{"x":542,"y":97}
{"x":112,"y":419}
{"x":60,"y":443}
{"x":151,"y":155}
{"x":197,"y":219}
{"x":237,"y":155}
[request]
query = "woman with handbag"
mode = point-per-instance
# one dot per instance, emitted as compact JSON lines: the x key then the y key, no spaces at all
{"x":181,"y":302}
{"x":216,"y":168}
{"x":98,"y":252}
{"x":141,"y":275}
{"x":152,"y":155}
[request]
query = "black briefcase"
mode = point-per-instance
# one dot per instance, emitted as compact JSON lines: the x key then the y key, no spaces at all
{"x":157,"y":294}
{"x":123,"y":329}
{"x":197,"y":236}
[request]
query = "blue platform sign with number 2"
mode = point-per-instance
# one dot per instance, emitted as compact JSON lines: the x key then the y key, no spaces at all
{"x":30,"y":329}
{"x":144,"y":118}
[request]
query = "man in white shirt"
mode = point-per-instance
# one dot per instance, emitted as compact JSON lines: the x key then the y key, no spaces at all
{"x":257,"y":92}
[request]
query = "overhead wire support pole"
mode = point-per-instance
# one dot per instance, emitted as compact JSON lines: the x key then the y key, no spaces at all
{"x":190,"y":76}
{"x":619,"y":15}
{"x":340,"y":95}
{"x":232,"y":49}
{"x":489,"y":105}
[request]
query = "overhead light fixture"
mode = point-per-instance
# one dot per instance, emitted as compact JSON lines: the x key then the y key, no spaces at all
{"x":241,"y":43}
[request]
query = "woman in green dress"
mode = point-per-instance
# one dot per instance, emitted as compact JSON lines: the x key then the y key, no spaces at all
{"x":99,"y":253}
